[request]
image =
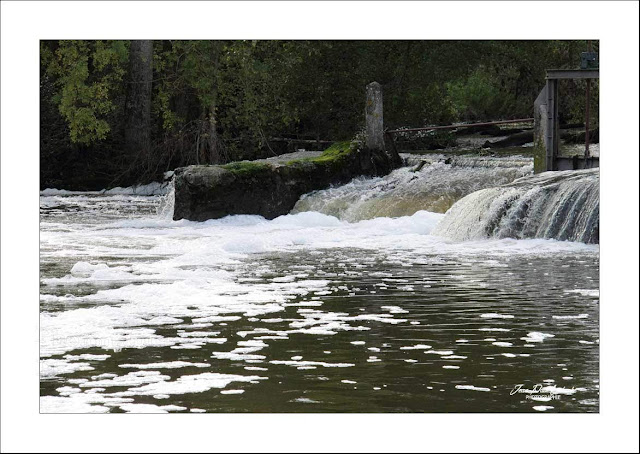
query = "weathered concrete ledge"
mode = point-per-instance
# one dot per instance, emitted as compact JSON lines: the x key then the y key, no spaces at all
{"x":271,"y":187}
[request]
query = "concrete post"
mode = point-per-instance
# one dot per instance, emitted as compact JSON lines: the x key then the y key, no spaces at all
{"x":373,"y":116}
{"x":540,"y":132}
{"x":551,"y":140}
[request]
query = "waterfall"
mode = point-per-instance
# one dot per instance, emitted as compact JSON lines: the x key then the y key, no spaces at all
{"x":435,"y":187}
{"x":167,"y":201}
{"x":560,"y":205}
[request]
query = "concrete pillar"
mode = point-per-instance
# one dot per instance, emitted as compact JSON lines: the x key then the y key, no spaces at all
{"x":373,"y":116}
{"x":540,"y":132}
{"x":552,"y":136}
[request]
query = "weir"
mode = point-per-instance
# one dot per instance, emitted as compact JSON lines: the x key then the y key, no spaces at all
{"x":357,"y":181}
{"x":563,"y":205}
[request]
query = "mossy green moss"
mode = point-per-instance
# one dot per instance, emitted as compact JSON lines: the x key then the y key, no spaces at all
{"x":334,"y":153}
{"x":243,"y":168}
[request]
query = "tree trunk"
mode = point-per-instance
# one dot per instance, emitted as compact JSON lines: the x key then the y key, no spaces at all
{"x":138,"y":106}
{"x":214,"y":145}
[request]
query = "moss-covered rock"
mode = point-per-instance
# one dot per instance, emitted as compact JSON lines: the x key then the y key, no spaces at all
{"x":270,"y":189}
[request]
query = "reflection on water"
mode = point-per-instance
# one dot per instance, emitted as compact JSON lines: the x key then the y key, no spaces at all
{"x":307,"y":313}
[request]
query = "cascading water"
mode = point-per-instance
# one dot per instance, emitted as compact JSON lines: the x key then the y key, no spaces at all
{"x":559,"y":205}
{"x":307,"y":312}
{"x":167,"y":201}
{"x":436,"y":187}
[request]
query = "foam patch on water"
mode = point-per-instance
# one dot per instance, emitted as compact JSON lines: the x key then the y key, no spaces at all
{"x":440,"y":352}
{"x":166,"y":365}
{"x":495,"y":315}
{"x":416,"y":347}
{"x":542,"y":407}
{"x":310,"y":363}
{"x":150,"y":408}
{"x":87,"y":357}
{"x":86,"y":402}
{"x":50,"y":368}
{"x":190,"y":384}
{"x":585,"y":292}
{"x":472,"y":388}
{"x":131,"y":379}
{"x":536,"y":337}
{"x":502,"y":344}
{"x":570,"y":317}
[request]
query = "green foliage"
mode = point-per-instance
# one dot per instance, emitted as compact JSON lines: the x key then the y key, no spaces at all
{"x":478,"y":97}
{"x":87,"y":73}
{"x":221,"y":101}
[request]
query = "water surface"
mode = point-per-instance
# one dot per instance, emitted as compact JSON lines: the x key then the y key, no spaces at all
{"x":307,"y":313}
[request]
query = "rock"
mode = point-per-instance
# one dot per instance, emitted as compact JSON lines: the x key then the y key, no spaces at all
{"x":270,"y":188}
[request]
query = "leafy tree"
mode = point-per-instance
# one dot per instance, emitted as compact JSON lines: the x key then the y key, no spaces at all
{"x":118,"y":112}
{"x":87,"y":73}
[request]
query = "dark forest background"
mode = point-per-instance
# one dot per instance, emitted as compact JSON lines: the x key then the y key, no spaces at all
{"x":116,"y":113}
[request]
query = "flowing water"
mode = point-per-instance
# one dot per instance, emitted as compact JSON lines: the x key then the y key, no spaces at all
{"x":351,"y":306}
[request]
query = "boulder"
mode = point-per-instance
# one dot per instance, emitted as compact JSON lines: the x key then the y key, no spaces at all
{"x":271,"y":187}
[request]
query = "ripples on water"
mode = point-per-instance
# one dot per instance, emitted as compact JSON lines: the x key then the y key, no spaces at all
{"x":306,"y":313}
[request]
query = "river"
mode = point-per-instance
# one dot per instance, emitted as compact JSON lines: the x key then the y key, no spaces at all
{"x":349,"y":304}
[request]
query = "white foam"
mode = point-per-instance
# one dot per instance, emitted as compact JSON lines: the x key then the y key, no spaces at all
{"x":585,"y":292}
{"x":86,"y":402}
{"x":55,"y":404}
{"x":190,"y":384}
{"x":165,"y":365}
{"x":311,"y":363}
{"x":416,"y":347}
{"x":131,"y":379}
{"x":569,"y":317}
{"x":87,"y":357}
{"x":495,"y":315}
{"x":394,"y":309}
{"x":440,"y":352}
{"x":50,"y":368}
{"x":502,"y":344}
{"x":536,"y":336}
{"x":472,"y":388}
{"x":542,"y":407}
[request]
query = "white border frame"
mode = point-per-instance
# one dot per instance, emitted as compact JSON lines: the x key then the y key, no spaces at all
{"x":25,"y":23}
